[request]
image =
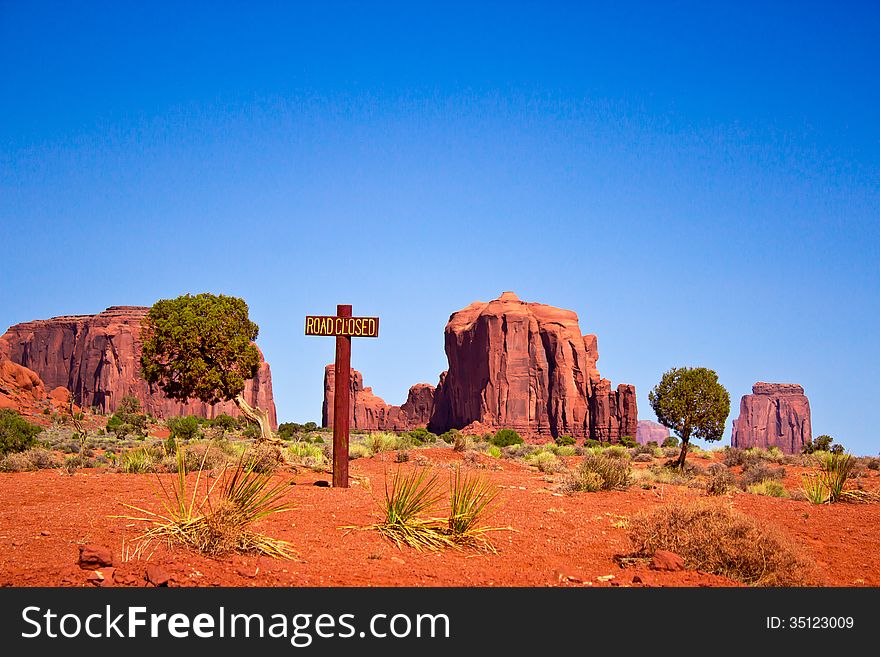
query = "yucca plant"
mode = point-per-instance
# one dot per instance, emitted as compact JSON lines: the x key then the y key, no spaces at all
{"x":826,"y":485}
{"x":470,"y":496}
{"x":218,"y":523}
{"x":837,"y":469}
{"x":408,"y":500}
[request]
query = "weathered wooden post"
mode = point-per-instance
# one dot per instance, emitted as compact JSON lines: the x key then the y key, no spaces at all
{"x":344,"y":327}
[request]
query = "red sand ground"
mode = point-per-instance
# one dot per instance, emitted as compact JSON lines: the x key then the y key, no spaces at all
{"x":555,"y":540}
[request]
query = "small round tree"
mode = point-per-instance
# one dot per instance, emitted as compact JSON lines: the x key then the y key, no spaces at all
{"x":692,"y":403}
{"x":202,"y":347}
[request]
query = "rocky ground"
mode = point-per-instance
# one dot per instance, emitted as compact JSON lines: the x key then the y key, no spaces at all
{"x":548,"y":538}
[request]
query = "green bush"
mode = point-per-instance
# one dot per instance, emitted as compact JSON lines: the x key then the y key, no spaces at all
{"x":224,"y":424}
{"x":16,"y":433}
{"x":506,"y":437}
{"x":183,"y":428}
{"x":590,"y":442}
{"x":672,"y":441}
{"x":421,"y":436}
{"x":450,"y":436}
{"x":128,"y":419}
{"x":628,"y":441}
{"x":563,"y":441}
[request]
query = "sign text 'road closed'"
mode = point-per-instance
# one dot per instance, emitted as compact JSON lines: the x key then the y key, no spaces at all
{"x":359,"y":327}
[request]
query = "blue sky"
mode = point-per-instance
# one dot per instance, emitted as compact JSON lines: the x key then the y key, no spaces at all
{"x":700,"y":184}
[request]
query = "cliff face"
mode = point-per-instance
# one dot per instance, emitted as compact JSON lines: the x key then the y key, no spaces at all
{"x":96,"y":358}
{"x":512,"y":364}
{"x":774,"y":415}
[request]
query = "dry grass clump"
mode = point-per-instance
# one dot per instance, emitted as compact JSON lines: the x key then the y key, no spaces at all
{"x":715,"y":539}
{"x":220,"y":522}
{"x":719,"y":479}
{"x":35,"y":458}
{"x":599,"y":471}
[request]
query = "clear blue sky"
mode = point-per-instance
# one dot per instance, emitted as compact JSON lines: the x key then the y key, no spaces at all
{"x":700,"y":184}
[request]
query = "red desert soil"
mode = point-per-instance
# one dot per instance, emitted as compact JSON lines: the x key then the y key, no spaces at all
{"x":555,"y":540}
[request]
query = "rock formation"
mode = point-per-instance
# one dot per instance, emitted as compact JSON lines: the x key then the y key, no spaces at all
{"x":512,"y":364}
{"x":371,"y":413}
{"x":649,"y":430}
{"x":527,"y":367}
{"x":20,"y":388}
{"x":96,"y":358}
{"x":774,"y":415}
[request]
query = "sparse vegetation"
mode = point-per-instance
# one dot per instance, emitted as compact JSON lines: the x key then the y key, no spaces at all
{"x":715,"y":539}
{"x":470,"y":497}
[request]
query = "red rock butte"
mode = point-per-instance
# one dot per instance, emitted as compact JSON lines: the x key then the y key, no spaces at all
{"x":512,"y":364}
{"x":774,"y":415}
{"x":96,"y":358}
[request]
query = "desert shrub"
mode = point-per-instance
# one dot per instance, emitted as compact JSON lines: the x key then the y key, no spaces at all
{"x":382,"y":441}
{"x":872,"y":463}
{"x":421,"y":435}
{"x":642,"y":449}
{"x":518,"y":451}
{"x":357,"y":451}
{"x":755,"y":474}
{"x":643,"y":458}
{"x":628,"y":441}
{"x":308,"y":455}
{"x":669,"y":474}
{"x":460,"y":442}
{"x":494,"y":451}
{"x":408,"y":505}
{"x":565,"y":440}
{"x":202,"y":455}
{"x":263,"y":458}
{"x":16,"y":433}
{"x":616,"y":452}
{"x":592,"y":442}
{"x":671,"y":441}
{"x":449,"y":437}
{"x":470,"y":496}
{"x":719,"y":479}
{"x":670,"y":452}
{"x":564,"y":450}
{"x":715,"y":539}
{"x":546,"y":462}
{"x":16,"y":462}
{"x":136,"y":461}
{"x":769,"y":488}
{"x":583,"y":482}
{"x":506,"y":438}
{"x":183,"y":428}
{"x":614,"y":473}
{"x":402,"y":456}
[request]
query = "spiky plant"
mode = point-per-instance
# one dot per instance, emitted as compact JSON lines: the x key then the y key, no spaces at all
{"x":408,"y":500}
{"x":218,"y":522}
{"x":469,"y":498}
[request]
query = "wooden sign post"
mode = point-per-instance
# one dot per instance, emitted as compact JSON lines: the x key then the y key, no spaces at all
{"x":344,"y":327}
